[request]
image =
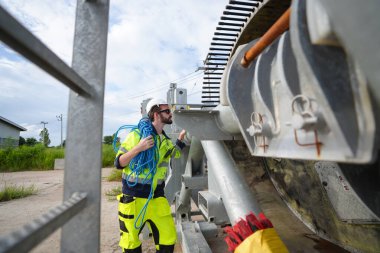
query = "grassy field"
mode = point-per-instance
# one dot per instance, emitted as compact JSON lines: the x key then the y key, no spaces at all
{"x":38,"y":157}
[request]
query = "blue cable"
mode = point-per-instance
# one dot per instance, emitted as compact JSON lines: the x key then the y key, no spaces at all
{"x":145,"y":159}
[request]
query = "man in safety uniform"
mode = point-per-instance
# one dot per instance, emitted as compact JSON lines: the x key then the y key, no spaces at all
{"x":135,"y":195}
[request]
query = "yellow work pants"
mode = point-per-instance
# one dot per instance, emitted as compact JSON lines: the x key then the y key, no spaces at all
{"x":158,"y":216}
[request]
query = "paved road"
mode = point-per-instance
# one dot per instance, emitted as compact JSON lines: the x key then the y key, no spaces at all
{"x":16,"y":213}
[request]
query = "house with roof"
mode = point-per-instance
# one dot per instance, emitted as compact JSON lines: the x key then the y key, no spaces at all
{"x":9,"y":133}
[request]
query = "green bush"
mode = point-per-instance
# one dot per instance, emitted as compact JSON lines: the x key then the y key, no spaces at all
{"x":108,"y":155}
{"x":38,"y":157}
{"x":29,"y":158}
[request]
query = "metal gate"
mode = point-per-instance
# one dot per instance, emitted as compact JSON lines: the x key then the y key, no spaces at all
{"x":79,"y":214}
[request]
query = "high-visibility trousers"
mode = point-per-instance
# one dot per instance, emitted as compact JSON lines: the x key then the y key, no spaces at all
{"x":158,"y":217}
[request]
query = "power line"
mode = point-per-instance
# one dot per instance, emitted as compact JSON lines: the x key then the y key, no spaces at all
{"x":178,"y":81}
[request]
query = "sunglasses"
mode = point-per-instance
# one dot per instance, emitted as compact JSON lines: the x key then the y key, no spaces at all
{"x":165,"y":111}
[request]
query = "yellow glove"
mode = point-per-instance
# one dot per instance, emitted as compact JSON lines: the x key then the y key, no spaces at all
{"x":254,"y":235}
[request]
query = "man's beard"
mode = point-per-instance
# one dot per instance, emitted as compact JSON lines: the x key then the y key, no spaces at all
{"x":167,"y":120}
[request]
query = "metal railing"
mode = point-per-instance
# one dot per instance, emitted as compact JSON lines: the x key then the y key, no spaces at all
{"x":79,"y":214}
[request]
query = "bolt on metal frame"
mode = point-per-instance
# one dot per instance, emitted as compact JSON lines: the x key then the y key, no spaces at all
{"x":79,"y":214}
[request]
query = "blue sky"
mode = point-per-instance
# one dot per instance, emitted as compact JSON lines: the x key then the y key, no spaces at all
{"x":151,"y":43}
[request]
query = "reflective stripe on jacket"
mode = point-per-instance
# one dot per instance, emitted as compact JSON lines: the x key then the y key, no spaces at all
{"x":166,"y":150}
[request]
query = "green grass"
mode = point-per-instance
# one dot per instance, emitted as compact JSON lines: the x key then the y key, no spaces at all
{"x":16,"y":192}
{"x":38,"y":157}
{"x":115,"y":175}
{"x":26,"y":158}
{"x":111,"y":194}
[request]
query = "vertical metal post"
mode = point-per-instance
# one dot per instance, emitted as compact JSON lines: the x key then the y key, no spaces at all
{"x":85,"y":125}
{"x":59,"y":118}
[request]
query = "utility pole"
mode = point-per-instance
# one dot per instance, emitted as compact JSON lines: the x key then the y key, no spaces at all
{"x":59,"y":118}
{"x":44,"y":123}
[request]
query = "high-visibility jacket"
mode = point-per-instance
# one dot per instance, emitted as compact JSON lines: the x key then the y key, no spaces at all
{"x":166,"y":150}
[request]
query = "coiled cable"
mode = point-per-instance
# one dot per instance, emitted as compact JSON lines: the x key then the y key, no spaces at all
{"x":145,"y":163}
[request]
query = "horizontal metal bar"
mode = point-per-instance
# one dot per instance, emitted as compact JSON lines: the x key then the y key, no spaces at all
{"x":210,"y":92}
{"x":211,"y":83}
{"x":228,"y":29}
{"x":210,"y":87}
{"x":17,"y":37}
{"x":222,"y":44}
{"x":215,"y":63}
{"x":210,"y":96}
{"x":207,"y":68}
{"x":226,"y":34}
{"x":214,"y":69}
{"x":218,"y":54}
{"x":210,"y":101}
{"x":35,"y":232}
{"x":236,"y":13}
{"x":217,"y":59}
{"x":231,"y":24}
{"x":210,"y":77}
{"x":219,"y":49}
{"x":224,"y":39}
{"x":244,"y":3}
{"x":233,"y":19}
{"x":233,"y":7}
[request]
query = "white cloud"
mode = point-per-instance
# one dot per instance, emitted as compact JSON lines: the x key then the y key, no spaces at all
{"x":150,"y":44}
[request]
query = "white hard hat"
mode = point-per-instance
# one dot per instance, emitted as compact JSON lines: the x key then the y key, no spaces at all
{"x":153,"y":102}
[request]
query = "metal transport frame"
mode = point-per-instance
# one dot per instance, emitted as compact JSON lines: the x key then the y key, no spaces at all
{"x":80,"y":211}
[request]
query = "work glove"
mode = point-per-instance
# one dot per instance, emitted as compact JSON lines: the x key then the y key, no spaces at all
{"x":254,"y":235}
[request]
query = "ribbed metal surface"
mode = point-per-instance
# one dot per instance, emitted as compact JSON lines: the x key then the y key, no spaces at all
{"x":231,"y":24}
{"x":242,"y":21}
{"x":36,"y":231}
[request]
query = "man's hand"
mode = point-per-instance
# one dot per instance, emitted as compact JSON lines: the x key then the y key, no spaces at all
{"x":146,"y":143}
{"x":181,"y":135}
{"x":143,"y":145}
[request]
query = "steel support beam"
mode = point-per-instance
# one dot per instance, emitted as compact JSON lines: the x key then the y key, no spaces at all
{"x":24,"y":42}
{"x":236,"y":194}
{"x":83,"y":158}
{"x":31,"y":234}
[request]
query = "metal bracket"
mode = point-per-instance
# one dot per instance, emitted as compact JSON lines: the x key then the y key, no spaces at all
{"x":202,"y":124}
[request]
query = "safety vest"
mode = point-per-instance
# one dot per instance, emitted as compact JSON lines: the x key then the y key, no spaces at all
{"x":166,"y":150}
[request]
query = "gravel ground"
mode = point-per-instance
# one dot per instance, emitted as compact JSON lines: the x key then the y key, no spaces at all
{"x":16,"y":213}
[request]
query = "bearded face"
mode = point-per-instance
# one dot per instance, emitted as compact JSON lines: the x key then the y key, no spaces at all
{"x":166,"y":118}
{"x":165,"y":115}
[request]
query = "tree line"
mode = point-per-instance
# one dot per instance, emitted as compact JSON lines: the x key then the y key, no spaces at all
{"x":31,"y":141}
{"x":45,"y":140}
